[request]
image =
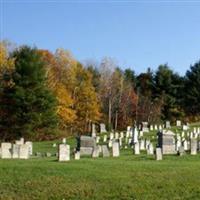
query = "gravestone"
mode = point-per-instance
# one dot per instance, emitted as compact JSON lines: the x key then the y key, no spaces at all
{"x":158,"y":154}
{"x":166,"y":142}
{"x":193,"y":146}
{"x":77,"y":155}
{"x":30,"y":147}
{"x":95,"y":153}
{"x":87,"y":145}
{"x":151,"y":127}
{"x":185,"y":145}
{"x":168,"y":124}
{"x":145,"y":127}
{"x":178,"y":123}
{"x":181,"y":151}
{"x":93,"y":130}
{"x":24,"y":151}
{"x":115,"y":149}
{"x":54,"y":145}
{"x":105,"y":151}
{"x":64,"y":152}
{"x":104,"y":138}
{"x":135,"y":136}
{"x":141,"y":134}
{"x":185,"y":127}
{"x":116,"y":135}
{"x":102,"y":128}
{"x":100,"y":148}
{"x":121,"y":134}
{"x":111,"y":136}
{"x":97,"y":139}
{"x":137,"y":148}
{"x":6,"y":149}
{"x":110,"y":143}
{"x":150,"y":149}
{"x":15,"y":150}
{"x":178,"y":142}
{"x":64,"y":140}
{"x":142,"y":145}
{"x":48,"y":154}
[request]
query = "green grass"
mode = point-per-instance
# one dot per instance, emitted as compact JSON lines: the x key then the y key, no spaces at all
{"x":127,"y":177}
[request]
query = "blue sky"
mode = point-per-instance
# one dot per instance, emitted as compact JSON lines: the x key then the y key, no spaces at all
{"x":137,"y":34}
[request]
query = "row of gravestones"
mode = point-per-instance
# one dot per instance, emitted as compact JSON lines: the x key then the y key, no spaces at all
{"x":88,"y":147}
{"x":19,"y":150}
{"x":143,"y":127}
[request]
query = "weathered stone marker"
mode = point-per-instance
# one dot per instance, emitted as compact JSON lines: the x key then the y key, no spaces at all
{"x":102,"y":128}
{"x":30,"y":147}
{"x":158,"y":154}
{"x":115,"y":149}
{"x":64,"y":152}
{"x":95,"y":153}
{"x":6,"y":150}
{"x":15,"y":150}
{"x":24,"y":151}
{"x":137,"y":148}
{"x":105,"y":151}
{"x":77,"y":155}
{"x":193,"y":146}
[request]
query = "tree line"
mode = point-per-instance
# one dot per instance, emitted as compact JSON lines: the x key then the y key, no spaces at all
{"x":44,"y":95}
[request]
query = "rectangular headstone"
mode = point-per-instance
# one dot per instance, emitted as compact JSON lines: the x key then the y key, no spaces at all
{"x":158,"y":154}
{"x":115,"y":149}
{"x":15,"y":150}
{"x":137,"y":148}
{"x":166,"y":141}
{"x":24,"y":151}
{"x":30,"y":147}
{"x":77,"y":155}
{"x":6,"y":149}
{"x":87,"y":141}
{"x":105,"y":151}
{"x":193,"y":146}
{"x":150,"y":150}
{"x":102,"y":128}
{"x":178,"y":123}
{"x":64,"y":152}
{"x":95,"y":153}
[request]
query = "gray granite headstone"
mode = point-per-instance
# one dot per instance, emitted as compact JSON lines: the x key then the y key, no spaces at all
{"x":166,"y":141}
{"x":87,"y":144}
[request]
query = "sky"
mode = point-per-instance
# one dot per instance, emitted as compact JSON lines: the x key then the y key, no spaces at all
{"x":136,"y":34}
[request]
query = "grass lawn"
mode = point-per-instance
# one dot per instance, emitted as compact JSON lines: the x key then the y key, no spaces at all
{"x":126,"y":177}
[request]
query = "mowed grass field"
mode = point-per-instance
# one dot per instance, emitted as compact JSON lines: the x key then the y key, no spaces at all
{"x":127,"y":177}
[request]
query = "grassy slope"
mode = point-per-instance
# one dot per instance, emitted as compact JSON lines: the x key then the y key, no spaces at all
{"x":126,"y":177}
